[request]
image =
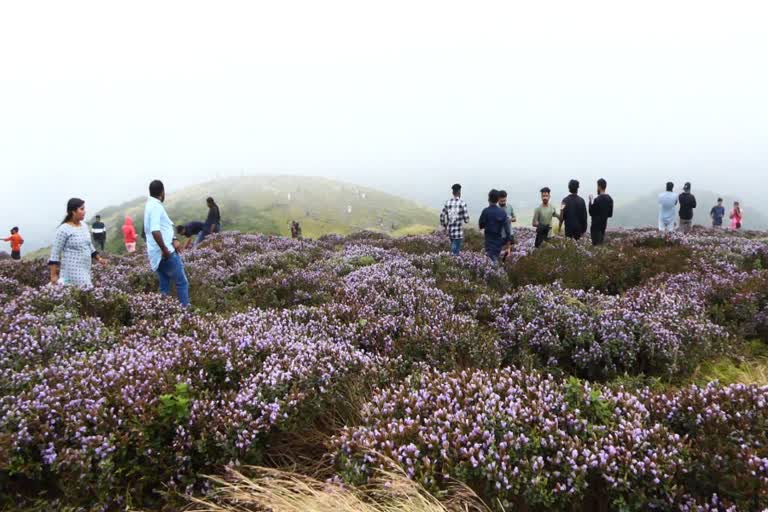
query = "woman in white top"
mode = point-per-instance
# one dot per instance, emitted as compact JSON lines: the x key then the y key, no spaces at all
{"x":73,"y":250}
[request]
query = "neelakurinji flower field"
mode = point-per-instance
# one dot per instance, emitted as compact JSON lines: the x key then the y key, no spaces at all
{"x":559,"y":380}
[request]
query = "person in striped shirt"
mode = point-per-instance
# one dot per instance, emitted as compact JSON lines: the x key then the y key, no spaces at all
{"x":453,"y":217}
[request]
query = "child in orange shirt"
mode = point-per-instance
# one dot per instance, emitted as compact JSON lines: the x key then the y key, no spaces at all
{"x":16,"y":242}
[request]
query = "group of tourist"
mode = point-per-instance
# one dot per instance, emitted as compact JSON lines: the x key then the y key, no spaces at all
{"x":669,"y":201}
{"x":195,"y":231}
{"x":496,"y":220}
{"x":74,"y":246}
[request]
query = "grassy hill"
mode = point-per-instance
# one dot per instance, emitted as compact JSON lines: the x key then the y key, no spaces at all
{"x":644,"y":211}
{"x":267,"y":204}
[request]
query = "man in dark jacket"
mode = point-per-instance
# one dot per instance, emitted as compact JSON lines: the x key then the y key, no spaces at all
{"x":493,"y":221}
{"x":687,"y":204}
{"x":573,"y":212}
{"x":600,"y":209}
{"x":99,"y":231}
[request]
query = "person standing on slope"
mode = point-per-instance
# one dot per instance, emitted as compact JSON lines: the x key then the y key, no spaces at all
{"x":72,"y":251}
{"x":16,"y":243}
{"x":453,"y":217}
{"x":736,"y":216}
{"x":493,"y":222}
{"x":667,"y":203}
{"x":162,"y":247}
{"x":717,"y":213}
{"x":99,"y":232}
{"x":542,"y":217}
{"x":504,"y":205}
{"x":687,"y":204}
{"x":573,"y":212}
{"x":600,"y":209}
{"x":212,"y":222}
{"x":129,"y":235}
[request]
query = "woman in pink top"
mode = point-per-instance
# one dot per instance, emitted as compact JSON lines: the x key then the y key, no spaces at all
{"x":129,"y":234}
{"x":736,"y":216}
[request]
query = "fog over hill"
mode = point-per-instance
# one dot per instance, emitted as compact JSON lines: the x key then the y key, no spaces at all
{"x":267,"y":204}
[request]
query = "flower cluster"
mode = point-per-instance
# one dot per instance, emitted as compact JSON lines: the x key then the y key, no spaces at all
{"x":533,"y":441}
{"x":117,"y":389}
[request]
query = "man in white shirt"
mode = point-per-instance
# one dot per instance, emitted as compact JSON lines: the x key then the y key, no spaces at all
{"x":162,"y":247}
{"x":667,"y":204}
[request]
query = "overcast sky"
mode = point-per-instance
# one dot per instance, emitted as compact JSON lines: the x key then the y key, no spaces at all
{"x":97,"y":98}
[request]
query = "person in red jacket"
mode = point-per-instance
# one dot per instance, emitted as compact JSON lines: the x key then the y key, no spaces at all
{"x":129,"y":235}
{"x":16,"y":242}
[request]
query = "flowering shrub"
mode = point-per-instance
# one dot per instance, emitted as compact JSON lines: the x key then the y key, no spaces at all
{"x":528,"y":440}
{"x":653,"y":329}
{"x":585,"y":267}
{"x":106,"y":418}
{"x":110,"y":394}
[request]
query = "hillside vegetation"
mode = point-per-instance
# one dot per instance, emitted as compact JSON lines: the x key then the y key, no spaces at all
{"x":268,"y":204}
{"x":570,"y":378}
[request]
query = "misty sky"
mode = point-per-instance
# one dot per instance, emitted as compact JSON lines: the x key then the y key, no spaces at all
{"x":97,"y":98}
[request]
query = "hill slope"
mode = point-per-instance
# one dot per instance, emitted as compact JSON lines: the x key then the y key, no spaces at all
{"x":267,"y":204}
{"x":645,"y":211}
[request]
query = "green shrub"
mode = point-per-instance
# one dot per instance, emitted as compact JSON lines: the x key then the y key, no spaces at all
{"x":611,"y":270}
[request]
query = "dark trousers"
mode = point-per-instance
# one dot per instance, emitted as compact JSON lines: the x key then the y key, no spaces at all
{"x":542,"y":234}
{"x":598,"y":235}
{"x":574,"y":235}
{"x":493,"y":248}
{"x":15,"y":255}
{"x":99,"y":243}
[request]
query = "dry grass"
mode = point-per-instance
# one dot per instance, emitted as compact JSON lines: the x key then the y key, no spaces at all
{"x":727,"y":371}
{"x":283,"y":491}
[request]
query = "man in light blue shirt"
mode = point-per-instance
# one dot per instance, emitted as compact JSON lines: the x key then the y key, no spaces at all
{"x":164,"y":259}
{"x":667,"y":204}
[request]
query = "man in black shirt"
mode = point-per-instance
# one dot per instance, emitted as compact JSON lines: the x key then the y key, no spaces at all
{"x":212,"y":222}
{"x":687,"y":204}
{"x":573,"y":211}
{"x":600,"y":209}
{"x":99,"y":231}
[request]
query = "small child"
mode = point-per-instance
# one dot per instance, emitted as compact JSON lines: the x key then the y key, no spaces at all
{"x":16,"y":242}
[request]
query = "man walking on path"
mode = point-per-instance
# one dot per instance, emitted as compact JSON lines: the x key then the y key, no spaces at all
{"x":573,"y":212}
{"x":99,"y":232}
{"x":687,"y":204}
{"x":600,"y":209}
{"x":16,"y":242}
{"x":667,"y":203}
{"x":493,"y":221}
{"x":717,"y":213}
{"x":453,"y":217}
{"x":542,"y":217}
{"x":162,"y":247}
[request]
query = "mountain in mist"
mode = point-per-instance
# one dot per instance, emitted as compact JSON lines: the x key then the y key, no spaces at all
{"x":268,"y":204}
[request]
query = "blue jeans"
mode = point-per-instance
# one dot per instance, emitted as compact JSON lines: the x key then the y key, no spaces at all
{"x":172,"y":269}
{"x":207,"y":231}
{"x":456,"y":245}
